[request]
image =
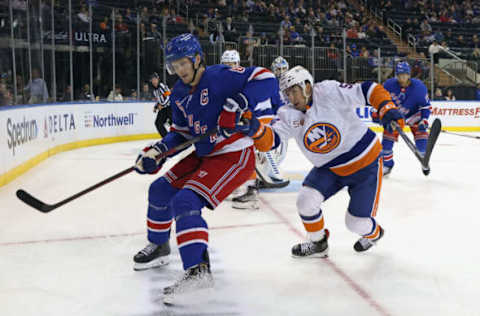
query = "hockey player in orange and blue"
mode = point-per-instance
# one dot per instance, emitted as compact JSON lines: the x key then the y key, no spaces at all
{"x":341,"y":147}
{"x":204,"y":98}
{"x":411,"y":97}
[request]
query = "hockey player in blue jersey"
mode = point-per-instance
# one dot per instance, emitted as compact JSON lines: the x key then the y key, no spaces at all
{"x":204,"y":98}
{"x":411,"y":96}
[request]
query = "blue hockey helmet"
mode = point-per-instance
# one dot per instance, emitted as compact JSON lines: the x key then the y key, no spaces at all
{"x":402,"y":68}
{"x":184,"y":45}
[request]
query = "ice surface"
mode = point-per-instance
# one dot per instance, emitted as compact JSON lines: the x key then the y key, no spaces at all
{"x":77,"y":260}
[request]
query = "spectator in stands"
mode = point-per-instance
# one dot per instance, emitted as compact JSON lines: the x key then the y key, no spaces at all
{"x":145,"y":93}
{"x":216,"y":37}
{"x":353,"y":51}
{"x":286,"y":24}
{"x":120,"y":26}
{"x":154,"y":33}
{"x":450,"y":96}
{"x":352,"y":33}
{"x":434,"y":49}
{"x":115,"y":95}
{"x":229,"y":30}
{"x":5,"y":95}
{"x":133,"y":94}
{"x":85,"y":93}
{"x":475,"y":41}
{"x":105,"y":24}
{"x":264,"y":39}
{"x":476,"y":53}
{"x":461,"y":41}
{"x":295,"y":37}
{"x":425,"y":26}
{"x":449,"y":37}
{"x":130,"y":16}
{"x":66,"y":96}
{"x":37,"y":88}
{"x":364,"y":52}
{"x":83,"y":14}
{"x":439,"y":36}
{"x":439,"y":95}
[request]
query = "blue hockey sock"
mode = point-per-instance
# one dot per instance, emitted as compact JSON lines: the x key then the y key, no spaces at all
{"x":192,"y":230}
{"x":387,"y":153}
{"x":159,"y":217}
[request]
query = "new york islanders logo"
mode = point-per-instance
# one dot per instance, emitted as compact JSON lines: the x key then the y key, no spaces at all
{"x":321,"y":138}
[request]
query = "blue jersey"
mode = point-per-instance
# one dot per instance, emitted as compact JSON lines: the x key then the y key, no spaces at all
{"x":412,"y":101}
{"x":196,"y":110}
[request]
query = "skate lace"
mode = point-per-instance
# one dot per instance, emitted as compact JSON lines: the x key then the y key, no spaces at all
{"x":306,"y":247}
{"x":149,"y":249}
{"x":365,"y":242}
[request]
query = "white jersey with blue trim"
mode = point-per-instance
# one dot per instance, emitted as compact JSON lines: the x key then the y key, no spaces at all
{"x":330,"y":133}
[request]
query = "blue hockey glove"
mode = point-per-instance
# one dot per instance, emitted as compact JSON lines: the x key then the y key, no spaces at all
{"x":146,"y":161}
{"x":389,"y":113}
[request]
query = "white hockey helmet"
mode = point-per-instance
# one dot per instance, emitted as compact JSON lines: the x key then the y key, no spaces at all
{"x":279,"y":66}
{"x":296,"y":76}
{"x":230,"y":56}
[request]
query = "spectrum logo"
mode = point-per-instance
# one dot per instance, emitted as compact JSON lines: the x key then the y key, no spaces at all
{"x":108,"y":120}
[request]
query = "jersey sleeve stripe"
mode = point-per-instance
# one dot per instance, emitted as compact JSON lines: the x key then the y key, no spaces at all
{"x":260,"y":74}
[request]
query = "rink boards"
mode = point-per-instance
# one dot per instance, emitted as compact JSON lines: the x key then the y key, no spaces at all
{"x":31,"y":134}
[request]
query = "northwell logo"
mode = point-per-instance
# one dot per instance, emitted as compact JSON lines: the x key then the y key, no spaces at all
{"x":108,"y":120}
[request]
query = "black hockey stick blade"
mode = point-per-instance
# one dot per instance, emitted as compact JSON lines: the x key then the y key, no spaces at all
{"x":28,"y":199}
{"x":432,"y":139}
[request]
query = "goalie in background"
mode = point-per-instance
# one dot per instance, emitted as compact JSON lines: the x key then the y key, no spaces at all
{"x":246,"y":196}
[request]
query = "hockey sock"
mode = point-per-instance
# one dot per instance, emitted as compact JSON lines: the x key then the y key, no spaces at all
{"x":387,"y":152}
{"x":192,"y":230}
{"x":159,"y":216}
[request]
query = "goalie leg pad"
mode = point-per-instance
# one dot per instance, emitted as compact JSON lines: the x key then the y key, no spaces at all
{"x":192,"y":230}
{"x":159,"y":216}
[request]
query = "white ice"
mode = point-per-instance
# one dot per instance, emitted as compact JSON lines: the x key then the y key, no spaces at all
{"x":77,"y":260}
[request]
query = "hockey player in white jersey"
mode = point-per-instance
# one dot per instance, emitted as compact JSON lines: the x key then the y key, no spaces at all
{"x":343,"y":150}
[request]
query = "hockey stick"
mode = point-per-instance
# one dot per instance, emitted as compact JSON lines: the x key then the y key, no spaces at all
{"x":45,"y":208}
{"x":410,"y":145}
{"x":432,"y":139}
{"x":463,"y":135}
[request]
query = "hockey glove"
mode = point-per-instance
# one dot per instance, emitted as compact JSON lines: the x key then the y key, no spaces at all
{"x":390,"y":113}
{"x":422,"y":125}
{"x":230,"y":118}
{"x":146,"y":161}
{"x":163,"y":97}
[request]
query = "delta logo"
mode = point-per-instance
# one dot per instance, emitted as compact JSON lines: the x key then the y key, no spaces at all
{"x":321,"y":138}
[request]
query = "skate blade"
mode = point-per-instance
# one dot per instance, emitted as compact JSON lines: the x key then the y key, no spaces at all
{"x":198,"y":297}
{"x":252,"y":205}
{"x":156,"y":263}
{"x":323,"y":254}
